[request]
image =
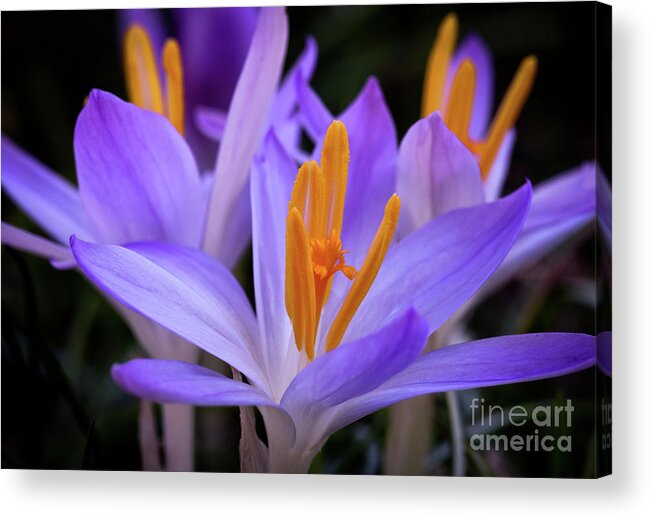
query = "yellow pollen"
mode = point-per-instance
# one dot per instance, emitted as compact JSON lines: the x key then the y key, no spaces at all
{"x":143,"y":77}
{"x":457,"y":106}
{"x":438,"y":62}
{"x":314,"y":252}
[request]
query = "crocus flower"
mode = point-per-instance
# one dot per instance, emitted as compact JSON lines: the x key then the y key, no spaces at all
{"x":459,"y":85}
{"x":455,"y":157}
{"x":138,"y":180}
{"x":211,"y":44}
{"x":339,"y":330}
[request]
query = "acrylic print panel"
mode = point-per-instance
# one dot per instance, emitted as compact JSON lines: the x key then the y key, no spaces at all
{"x":335,"y":240}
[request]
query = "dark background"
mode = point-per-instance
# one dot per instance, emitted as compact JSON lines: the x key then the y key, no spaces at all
{"x":60,"y":408}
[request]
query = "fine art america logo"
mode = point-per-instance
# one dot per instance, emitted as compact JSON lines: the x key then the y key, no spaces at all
{"x":545,"y":418}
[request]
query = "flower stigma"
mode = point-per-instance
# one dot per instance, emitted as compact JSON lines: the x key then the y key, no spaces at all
{"x":314,"y":251}
{"x":143,"y":78}
{"x":456,"y":102}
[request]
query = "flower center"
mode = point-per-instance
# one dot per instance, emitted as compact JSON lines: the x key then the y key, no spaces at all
{"x":456,"y":103}
{"x":314,"y":251}
{"x":143,"y":77}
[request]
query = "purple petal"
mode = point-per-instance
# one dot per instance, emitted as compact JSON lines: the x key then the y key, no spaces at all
{"x":45,"y":196}
{"x":271,"y":185}
{"x":372,"y":168}
{"x":440,"y":266}
{"x":356,"y":368}
{"x":238,"y":231}
{"x":37,"y":245}
{"x":284,"y":115}
{"x":214,"y":43}
{"x":483,"y":363}
{"x":566,"y":196}
{"x":500,"y":169}
{"x":171,"y":381}
{"x":287,"y":98}
{"x":559,"y":207}
{"x":474,"y":48}
{"x":313,"y":114}
{"x":436,"y":173}
{"x":210,"y":122}
{"x":181,"y":289}
{"x":246,"y":122}
{"x":137,"y":176}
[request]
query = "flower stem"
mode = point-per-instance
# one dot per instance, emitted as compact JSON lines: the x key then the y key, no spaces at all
{"x":147,"y":437}
{"x":178,"y":437}
{"x":457,"y":434}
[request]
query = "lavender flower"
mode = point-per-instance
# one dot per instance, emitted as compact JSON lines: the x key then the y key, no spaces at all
{"x":139,"y":180}
{"x":213,"y":45}
{"x":342,"y":316}
{"x":453,"y":157}
{"x":456,"y":157}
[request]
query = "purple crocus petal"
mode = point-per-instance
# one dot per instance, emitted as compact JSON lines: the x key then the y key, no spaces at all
{"x":474,"y":48}
{"x":372,"y":168}
{"x":210,"y":122}
{"x":37,"y":245}
{"x":288,"y":133}
{"x":566,"y":196}
{"x":272,"y":178}
{"x":172,"y":381}
{"x":237,"y":235}
{"x":214,"y":43}
{"x":313,"y":114}
{"x":605,"y":207}
{"x":356,"y":368}
{"x":246,"y":122}
{"x":436,"y":173}
{"x":440,"y":266}
{"x":559,"y":207}
{"x":286,"y":99}
{"x":137,"y":177}
{"x":482,"y":363}
{"x":605,"y":352}
{"x":181,"y":289}
{"x":45,"y":196}
{"x":500,"y":169}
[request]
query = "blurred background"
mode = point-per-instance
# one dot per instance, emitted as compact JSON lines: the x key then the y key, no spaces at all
{"x":60,"y":408}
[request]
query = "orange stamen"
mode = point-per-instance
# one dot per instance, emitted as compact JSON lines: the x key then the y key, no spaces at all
{"x":508,"y":112}
{"x":438,"y":63}
{"x":314,"y":251}
{"x":143,"y":77}
{"x":141,"y":71}
{"x":174,"y":84}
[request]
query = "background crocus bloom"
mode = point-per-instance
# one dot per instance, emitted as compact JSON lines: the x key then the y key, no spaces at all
{"x":139,"y":181}
{"x":456,"y":157}
{"x":312,"y":373}
{"x":214,"y":45}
